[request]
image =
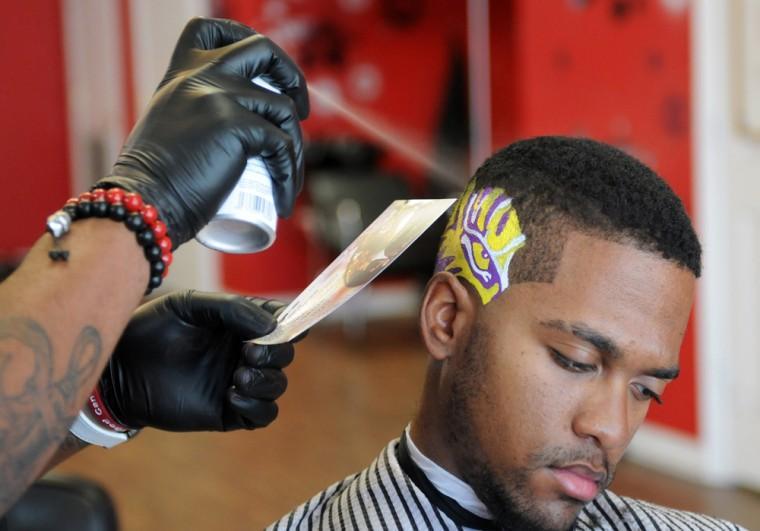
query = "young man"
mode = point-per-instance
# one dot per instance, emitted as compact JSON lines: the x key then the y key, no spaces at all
{"x":563,"y":286}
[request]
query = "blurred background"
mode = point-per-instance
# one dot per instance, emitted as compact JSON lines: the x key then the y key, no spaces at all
{"x":410,"y":97}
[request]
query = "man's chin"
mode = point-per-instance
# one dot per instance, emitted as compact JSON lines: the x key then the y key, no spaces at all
{"x":542,"y":508}
{"x":536,"y":515}
{"x":539,"y":522}
{"x":559,"y":514}
{"x":562,"y":513}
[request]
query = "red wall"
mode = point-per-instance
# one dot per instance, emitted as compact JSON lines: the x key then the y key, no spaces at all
{"x":334,"y":43}
{"x":614,"y":70}
{"x":33,"y":136}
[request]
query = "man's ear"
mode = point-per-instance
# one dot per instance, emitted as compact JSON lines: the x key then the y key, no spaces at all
{"x":447,"y":314}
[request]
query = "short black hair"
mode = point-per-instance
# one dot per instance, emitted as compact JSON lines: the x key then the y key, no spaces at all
{"x":559,"y":184}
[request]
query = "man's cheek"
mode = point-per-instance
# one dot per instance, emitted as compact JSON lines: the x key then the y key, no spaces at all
{"x":514,"y":417}
{"x":542,"y":412}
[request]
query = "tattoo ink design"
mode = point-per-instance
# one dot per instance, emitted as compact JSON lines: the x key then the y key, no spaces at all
{"x":36,"y":409}
{"x":481,"y":239}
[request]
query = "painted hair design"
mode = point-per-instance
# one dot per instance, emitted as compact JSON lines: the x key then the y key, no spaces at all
{"x":481,"y":239}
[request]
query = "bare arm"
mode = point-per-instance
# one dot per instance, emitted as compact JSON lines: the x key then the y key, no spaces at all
{"x":59,"y":322}
{"x":70,"y":446}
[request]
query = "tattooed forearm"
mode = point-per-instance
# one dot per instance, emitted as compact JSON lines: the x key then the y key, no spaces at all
{"x":36,"y":407}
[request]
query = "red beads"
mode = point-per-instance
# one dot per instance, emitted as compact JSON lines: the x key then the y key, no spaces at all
{"x":133,"y":202}
{"x":115,"y":195}
{"x":149,"y":215}
{"x":98,"y":194}
{"x":166,"y":256}
{"x":85,"y":196}
{"x":165,"y":244}
{"x":159,"y":230}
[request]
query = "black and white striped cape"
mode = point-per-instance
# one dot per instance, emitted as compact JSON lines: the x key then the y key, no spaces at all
{"x":394,"y":494}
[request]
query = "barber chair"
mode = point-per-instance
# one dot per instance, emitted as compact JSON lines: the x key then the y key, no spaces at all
{"x":347,"y":191}
{"x":60,"y":503}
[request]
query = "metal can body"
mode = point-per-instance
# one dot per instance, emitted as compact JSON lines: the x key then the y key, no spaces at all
{"x":247,"y":220}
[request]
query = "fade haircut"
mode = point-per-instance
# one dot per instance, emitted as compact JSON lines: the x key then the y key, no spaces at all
{"x":561,"y":184}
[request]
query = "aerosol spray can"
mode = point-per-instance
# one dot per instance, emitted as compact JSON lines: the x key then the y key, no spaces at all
{"x":247,"y":220}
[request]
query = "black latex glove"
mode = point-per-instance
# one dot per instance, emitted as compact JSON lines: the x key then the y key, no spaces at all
{"x":181,"y":365}
{"x":207,"y":118}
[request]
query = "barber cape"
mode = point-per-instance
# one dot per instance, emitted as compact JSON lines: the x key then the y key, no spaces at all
{"x":394,"y":493}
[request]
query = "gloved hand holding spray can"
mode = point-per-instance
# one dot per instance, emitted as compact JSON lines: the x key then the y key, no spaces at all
{"x":247,"y":220}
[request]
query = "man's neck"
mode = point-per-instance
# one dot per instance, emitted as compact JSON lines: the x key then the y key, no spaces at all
{"x":443,"y":481}
{"x":428,"y":430}
{"x":434,"y":457}
{"x":429,"y":440}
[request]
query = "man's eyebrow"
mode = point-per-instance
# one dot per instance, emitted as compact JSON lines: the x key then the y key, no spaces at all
{"x":599,"y":341}
{"x":607,"y":346}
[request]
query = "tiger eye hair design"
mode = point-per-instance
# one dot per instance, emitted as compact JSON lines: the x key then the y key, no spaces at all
{"x":480,"y":240}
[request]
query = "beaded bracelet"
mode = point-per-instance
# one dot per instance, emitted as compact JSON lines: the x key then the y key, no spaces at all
{"x":118,"y":205}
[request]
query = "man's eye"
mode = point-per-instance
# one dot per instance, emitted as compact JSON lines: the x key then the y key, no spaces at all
{"x":570,"y":365}
{"x":645,"y":394}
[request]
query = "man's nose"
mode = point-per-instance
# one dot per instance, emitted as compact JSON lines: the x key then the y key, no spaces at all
{"x":605,"y":417}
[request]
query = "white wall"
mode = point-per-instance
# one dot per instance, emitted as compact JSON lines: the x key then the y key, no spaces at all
{"x":727,"y":184}
{"x":727,"y":163}
{"x":741,"y":358}
{"x":155,"y":28}
{"x":95,"y":78}
{"x":95,"y":87}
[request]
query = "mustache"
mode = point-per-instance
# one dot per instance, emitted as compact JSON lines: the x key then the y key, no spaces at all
{"x":558,"y":457}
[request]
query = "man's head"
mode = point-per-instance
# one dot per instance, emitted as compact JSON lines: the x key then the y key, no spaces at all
{"x":565,"y":280}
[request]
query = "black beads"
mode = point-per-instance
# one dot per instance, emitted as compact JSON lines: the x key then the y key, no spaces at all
{"x":71,"y":210}
{"x":58,"y":255}
{"x":145,"y":237}
{"x":84,"y":209}
{"x":157,"y":267}
{"x":117,"y":212}
{"x":153,"y":253}
{"x":135,"y":222}
{"x":99,"y":209}
{"x":155,"y":281}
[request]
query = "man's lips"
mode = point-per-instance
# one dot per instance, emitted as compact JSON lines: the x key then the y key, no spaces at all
{"x":578,"y":481}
